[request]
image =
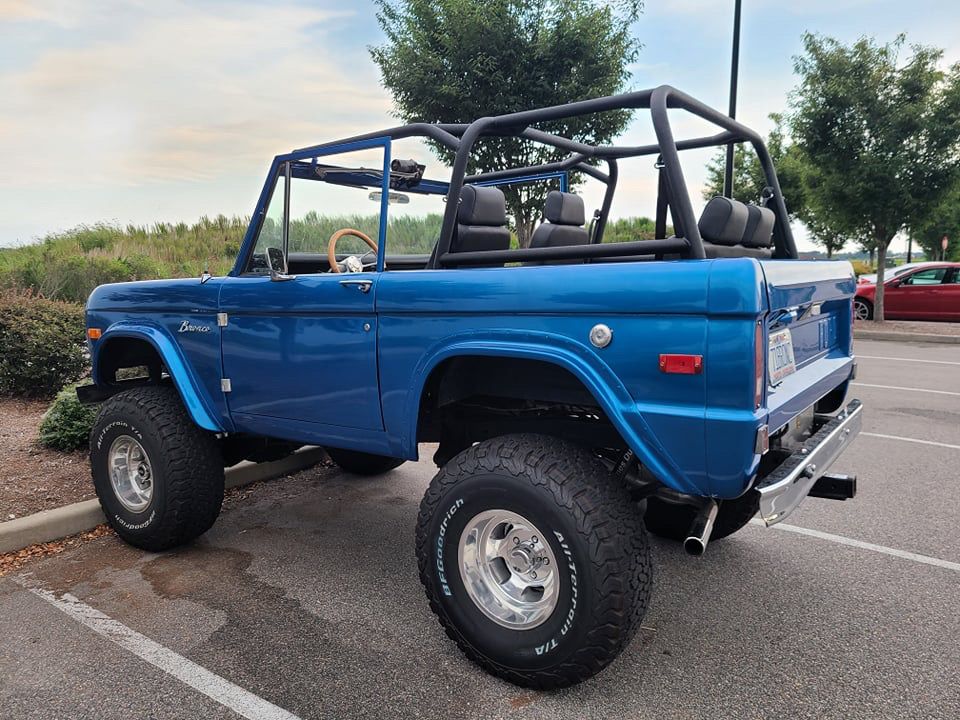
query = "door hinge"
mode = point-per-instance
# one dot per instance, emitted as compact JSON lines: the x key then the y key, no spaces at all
{"x":222,"y":319}
{"x":225,"y":385}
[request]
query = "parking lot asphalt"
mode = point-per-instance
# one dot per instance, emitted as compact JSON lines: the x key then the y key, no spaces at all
{"x":303,"y":602}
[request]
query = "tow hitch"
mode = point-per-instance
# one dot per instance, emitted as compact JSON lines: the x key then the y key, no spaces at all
{"x":835,"y":487}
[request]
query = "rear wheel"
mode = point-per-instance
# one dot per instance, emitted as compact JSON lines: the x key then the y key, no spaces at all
{"x":672,"y":521}
{"x":862,"y":309}
{"x":360,"y":463}
{"x":534,"y":559}
{"x":159,"y":477}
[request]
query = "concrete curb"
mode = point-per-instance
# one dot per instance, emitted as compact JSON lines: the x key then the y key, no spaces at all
{"x":905,"y":337}
{"x":48,"y":525}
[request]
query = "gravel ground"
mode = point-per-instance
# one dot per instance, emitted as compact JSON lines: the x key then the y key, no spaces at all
{"x":33,"y":478}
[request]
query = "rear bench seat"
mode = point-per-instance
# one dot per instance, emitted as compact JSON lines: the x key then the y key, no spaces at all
{"x":730,"y":228}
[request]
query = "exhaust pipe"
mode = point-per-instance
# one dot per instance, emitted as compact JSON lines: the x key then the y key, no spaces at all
{"x":699,"y":534}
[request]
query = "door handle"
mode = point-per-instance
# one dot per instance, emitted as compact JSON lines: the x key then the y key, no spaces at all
{"x":361,"y":285}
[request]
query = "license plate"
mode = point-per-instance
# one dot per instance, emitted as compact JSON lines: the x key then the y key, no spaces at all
{"x":780,"y":359}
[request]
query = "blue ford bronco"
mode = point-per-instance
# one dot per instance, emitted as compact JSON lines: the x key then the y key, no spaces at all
{"x":580,"y":393}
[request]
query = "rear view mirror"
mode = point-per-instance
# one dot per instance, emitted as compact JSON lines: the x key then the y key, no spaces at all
{"x":392,"y":198}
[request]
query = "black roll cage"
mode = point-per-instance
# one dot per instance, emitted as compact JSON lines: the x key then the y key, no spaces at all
{"x":672,"y":192}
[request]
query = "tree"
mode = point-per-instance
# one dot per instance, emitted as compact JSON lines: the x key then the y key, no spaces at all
{"x":880,"y":137}
{"x":457,"y":60}
{"x":824,"y":233}
{"x":944,"y":220}
{"x":748,"y":178}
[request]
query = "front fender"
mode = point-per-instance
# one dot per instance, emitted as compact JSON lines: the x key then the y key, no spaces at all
{"x":584,"y":364}
{"x":190,"y":389}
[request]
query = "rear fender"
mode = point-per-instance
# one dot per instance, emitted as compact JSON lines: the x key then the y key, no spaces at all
{"x":191,"y":391}
{"x":595,"y":375}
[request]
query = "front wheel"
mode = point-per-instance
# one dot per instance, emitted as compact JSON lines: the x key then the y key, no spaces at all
{"x":862,"y":309}
{"x":159,"y":477}
{"x":534,"y":559}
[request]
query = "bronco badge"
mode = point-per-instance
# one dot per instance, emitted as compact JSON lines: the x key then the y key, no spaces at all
{"x":186,"y":326}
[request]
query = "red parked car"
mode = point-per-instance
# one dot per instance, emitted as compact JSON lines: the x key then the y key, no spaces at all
{"x":931,"y":292}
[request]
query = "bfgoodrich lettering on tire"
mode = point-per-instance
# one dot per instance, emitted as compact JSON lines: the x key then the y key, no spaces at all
{"x":159,"y":477}
{"x":534,"y":559}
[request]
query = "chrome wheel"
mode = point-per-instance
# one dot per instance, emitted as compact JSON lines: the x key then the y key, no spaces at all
{"x":861,"y":310}
{"x":130,"y":473}
{"x":509,"y":569}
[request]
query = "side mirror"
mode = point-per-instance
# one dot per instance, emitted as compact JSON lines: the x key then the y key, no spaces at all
{"x":277,"y":264}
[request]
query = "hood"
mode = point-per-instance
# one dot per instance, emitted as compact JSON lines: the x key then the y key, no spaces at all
{"x":157,"y":295}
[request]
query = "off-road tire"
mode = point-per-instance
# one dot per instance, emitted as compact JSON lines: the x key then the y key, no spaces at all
{"x":186,"y":467}
{"x":595,"y":532}
{"x":672,"y":521}
{"x":361,"y":463}
{"x":866,"y":313}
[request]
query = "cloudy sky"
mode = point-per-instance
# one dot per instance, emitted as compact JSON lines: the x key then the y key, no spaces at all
{"x":146,"y":110}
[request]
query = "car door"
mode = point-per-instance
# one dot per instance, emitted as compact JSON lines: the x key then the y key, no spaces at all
{"x":303,"y":350}
{"x":299,"y":349}
{"x":916,"y":295}
{"x":950,"y":295}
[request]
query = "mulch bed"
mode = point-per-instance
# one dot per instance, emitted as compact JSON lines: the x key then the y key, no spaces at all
{"x":33,"y":478}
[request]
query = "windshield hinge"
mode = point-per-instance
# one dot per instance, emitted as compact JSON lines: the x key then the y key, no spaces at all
{"x":225,"y":385}
{"x":222,"y":319}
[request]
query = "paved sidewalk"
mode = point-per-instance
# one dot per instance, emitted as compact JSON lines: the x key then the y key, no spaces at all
{"x":908,"y":331}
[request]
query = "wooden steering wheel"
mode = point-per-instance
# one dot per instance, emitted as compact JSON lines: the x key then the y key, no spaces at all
{"x":332,"y":246}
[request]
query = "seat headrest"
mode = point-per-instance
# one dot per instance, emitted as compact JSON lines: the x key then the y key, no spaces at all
{"x":759,"y":228}
{"x":723,"y":221}
{"x":482,"y":206}
{"x":564,"y":208}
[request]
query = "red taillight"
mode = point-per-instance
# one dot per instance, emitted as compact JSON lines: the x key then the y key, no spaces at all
{"x":758,"y":365}
{"x":682,"y":364}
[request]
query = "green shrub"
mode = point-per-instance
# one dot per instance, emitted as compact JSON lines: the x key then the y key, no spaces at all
{"x":43,"y":345}
{"x":66,"y":424}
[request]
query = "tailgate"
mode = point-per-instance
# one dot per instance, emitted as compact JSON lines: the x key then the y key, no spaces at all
{"x":810,"y":333}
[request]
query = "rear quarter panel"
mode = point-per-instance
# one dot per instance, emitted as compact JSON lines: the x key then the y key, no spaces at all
{"x":546,"y":312}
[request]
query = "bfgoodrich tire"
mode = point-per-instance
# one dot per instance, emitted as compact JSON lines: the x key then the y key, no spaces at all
{"x":360,"y":463}
{"x":159,"y":477}
{"x":530,"y":506}
{"x":672,"y":521}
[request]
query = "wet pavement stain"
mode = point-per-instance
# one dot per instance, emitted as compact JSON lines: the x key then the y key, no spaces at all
{"x":268,"y":643}
{"x":88,"y":566}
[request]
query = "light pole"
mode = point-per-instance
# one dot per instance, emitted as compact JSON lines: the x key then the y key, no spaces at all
{"x":734,"y":71}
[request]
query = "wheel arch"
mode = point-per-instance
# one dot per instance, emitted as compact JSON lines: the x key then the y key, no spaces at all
{"x":592,"y":374}
{"x":142,"y":345}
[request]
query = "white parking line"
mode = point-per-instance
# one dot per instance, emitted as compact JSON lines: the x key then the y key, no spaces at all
{"x":241,"y":701}
{"x":912,"y":440}
{"x":841,"y":540}
{"x":900,"y":359}
{"x":897,"y":387}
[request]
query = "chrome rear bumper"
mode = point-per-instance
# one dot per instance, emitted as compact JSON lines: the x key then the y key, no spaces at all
{"x":786,"y":487}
